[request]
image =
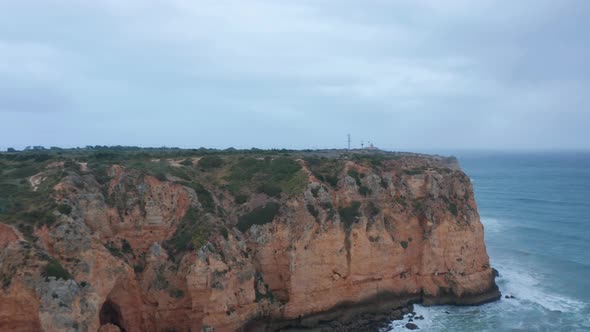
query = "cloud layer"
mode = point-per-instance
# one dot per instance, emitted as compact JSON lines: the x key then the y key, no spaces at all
{"x":410,"y":75}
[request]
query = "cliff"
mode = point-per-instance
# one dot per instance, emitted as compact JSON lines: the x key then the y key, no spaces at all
{"x":235,"y":241}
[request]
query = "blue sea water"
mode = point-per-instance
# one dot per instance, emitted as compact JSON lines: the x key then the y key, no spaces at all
{"x":535,"y":208}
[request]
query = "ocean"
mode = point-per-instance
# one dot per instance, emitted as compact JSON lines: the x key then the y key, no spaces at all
{"x":535,"y":208}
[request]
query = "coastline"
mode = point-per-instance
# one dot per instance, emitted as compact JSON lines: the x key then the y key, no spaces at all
{"x":372,"y":314}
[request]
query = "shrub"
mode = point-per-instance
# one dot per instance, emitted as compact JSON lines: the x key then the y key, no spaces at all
{"x":126,"y":247}
{"x":176,"y":293}
{"x":312,"y":210}
{"x":315,"y":191}
{"x":55,"y":269}
{"x":269,"y":176}
{"x":355,"y":175}
{"x":192,"y":232}
{"x":415,"y":171}
{"x":401,"y":200}
{"x":325,"y":170}
{"x":350,"y":213}
{"x":223,"y":231}
{"x":404,"y":244}
{"x":204,"y":196}
{"x":64,"y":209}
{"x":181,"y":173}
{"x":269,"y":189}
{"x":115,"y":251}
{"x":373,"y":209}
{"x":161,"y":176}
{"x":210,"y":162}
{"x":138,"y":268}
{"x":453,"y":209}
{"x":187,"y":162}
{"x":296,"y":183}
{"x":241,"y":199}
{"x":259,"y":216}
{"x":364,"y":190}
{"x":282,"y":169}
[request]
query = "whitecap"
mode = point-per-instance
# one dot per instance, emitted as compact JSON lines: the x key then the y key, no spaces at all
{"x":493,"y":225}
{"x":527,"y":289}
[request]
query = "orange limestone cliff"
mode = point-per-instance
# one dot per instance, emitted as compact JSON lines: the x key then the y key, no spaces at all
{"x":243,"y":242}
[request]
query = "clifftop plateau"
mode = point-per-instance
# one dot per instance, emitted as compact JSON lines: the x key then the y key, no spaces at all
{"x":202,"y":240}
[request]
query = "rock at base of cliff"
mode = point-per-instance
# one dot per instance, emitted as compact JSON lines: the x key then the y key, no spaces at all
{"x":412,"y":326}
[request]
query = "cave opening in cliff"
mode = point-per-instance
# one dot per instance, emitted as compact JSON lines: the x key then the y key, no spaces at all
{"x":110,"y":313}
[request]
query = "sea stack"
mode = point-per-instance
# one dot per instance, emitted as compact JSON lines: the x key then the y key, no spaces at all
{"x":241,"y":240}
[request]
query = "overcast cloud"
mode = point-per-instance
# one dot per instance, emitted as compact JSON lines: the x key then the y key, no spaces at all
{"x":407,"y":75}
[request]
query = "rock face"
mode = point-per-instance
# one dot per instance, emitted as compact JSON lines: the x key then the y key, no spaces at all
{"x":141,"y":252}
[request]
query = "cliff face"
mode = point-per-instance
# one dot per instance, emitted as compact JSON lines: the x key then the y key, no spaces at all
{"x":244,"y":242}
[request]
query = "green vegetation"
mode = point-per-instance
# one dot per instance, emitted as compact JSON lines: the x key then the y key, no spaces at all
{"x":269,"y":176}
{"x":210,"y":162}
{"x":224,"y":232}
{"x":187,"y":162}
{"x":325,"y":169}
{"x":54,"y":269}
{"x":373,"y":209}
{"x":259,"y":216}
{"x":269,"y":189}
{"x":315,"y":191}
{"x":204,"y":196}
{"x":64,"y":209}
{"x":374,"y":159}
{"x":451,"y":206}
{"x":350,"y":214}
{"x":114,"y":250}
{"x":20,"y":203}
{"x":312,"y":210}
{"x":401,"y":200}
{"x":415,"y":171}
{"x":453,"y":209}
{"x":364,"y":190}
{"x":192,"y":232}
{"x":260,"y":284}
{"x":241,"y":198}
{"x":176,"y":293}
{"x":126,"y":247}
{"x":353,"y":173}
{"x":404,"y":244}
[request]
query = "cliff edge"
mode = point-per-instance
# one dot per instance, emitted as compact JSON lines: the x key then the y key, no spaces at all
{"x":255,"y":240}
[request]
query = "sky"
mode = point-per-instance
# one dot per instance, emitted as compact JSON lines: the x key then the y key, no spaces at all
{"x":406,"y":75}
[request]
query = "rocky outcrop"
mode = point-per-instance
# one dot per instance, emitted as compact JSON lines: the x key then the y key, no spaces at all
{"x":160,"y":252}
